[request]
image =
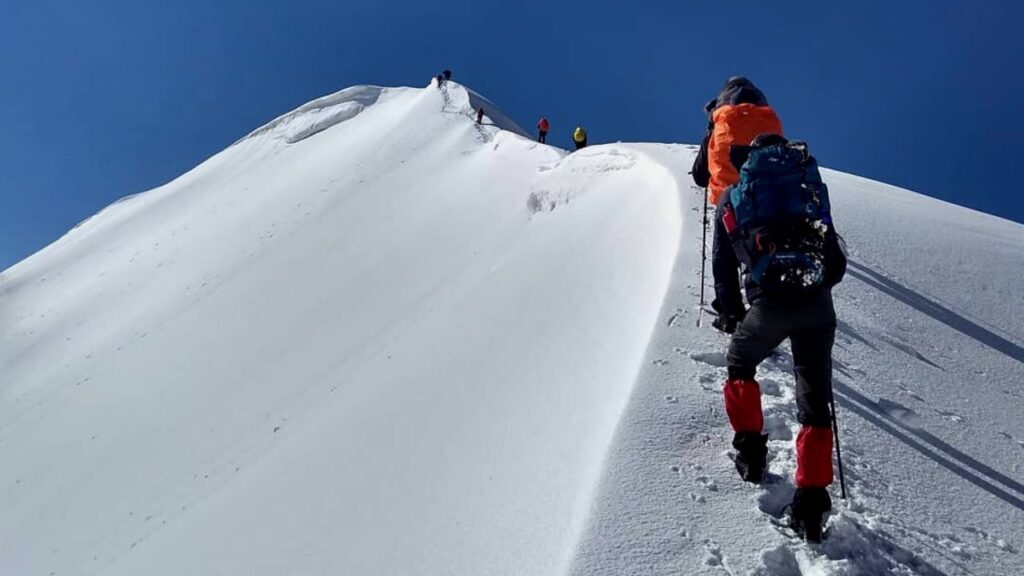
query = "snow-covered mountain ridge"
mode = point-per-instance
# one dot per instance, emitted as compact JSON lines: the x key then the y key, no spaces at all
{"x":374,"y":337}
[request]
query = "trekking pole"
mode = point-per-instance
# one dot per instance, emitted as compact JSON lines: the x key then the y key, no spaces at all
{"x":835,"y":433}
{"x":703,"y":257}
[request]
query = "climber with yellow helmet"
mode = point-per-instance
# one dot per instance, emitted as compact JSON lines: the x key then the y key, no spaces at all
{"x":579,"y":136}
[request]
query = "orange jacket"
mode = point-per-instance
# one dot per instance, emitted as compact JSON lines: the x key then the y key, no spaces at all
{"x":735,"y":124}
{"x":543,"y":125}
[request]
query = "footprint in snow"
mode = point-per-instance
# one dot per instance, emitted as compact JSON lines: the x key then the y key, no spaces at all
{"x":1013,"y":393}
{"x":711,"y":388}
{"x":770,"y":387}
{"x":901,"y":345}
{"x":779,"y":560}
{"x":1011,"y":438}
{"x":660,"y":362}
{"x":777,"y":495}
{"x":777,"y":404}
{"x":778,"y":428}
{"x":910,"y":393}
{"x":948,"y":541}
{"x":710,"y":358}
{"x":997,"y":542}
{"x":899,"y":412}
{"x":709,"y":484}
{"x":847,"y":370}
{"x":713,"y":554}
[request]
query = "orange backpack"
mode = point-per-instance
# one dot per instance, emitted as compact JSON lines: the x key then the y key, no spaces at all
{"x":735,"y":124}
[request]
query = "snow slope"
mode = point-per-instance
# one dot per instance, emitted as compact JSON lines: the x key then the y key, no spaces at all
{"x":928,"y":370}
{"x":373,"y":337}
{"x":360,"y":340}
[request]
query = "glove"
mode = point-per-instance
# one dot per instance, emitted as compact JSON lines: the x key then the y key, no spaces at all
{"x":726,"y":324}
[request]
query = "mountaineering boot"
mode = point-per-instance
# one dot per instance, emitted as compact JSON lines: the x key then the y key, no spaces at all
{"x":751,"y":455}
{"x":806,"y":514}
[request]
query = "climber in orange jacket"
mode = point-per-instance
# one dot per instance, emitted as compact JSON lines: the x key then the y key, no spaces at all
{"x":736,"y":116}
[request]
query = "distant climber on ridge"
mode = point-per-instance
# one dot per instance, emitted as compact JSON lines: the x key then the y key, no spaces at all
{"x":480,"y":115}
{"x":447,"y":74}
{"x":777,"y":221}
{"x":579,"y":136}
{"x":735,"y":117}
{"x":440,"y":81}
{"x":542,"y":130}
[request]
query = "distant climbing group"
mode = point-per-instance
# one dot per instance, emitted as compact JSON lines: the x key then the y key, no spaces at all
{"x":443,"y":77}
{"x":773,"y":220}
{"x":579,"y":135}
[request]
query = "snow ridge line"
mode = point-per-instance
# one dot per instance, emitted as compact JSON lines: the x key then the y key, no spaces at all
{"x":599,"y":546}
{"x":363,"y":96}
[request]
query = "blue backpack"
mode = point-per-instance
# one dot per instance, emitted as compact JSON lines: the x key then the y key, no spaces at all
{"x":777,"y":216}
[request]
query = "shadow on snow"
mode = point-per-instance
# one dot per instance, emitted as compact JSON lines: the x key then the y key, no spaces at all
{"x":935,"y":310}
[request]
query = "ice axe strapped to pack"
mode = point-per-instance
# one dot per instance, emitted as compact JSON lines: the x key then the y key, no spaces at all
{"x":777,"y":214}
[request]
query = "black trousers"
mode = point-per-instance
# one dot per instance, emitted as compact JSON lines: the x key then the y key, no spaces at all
{"x":810,"y":325}
{"x":542,"y":136}
{"x":581,"y":144}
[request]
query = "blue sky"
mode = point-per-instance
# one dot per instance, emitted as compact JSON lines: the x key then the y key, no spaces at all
{"x":102,"y":99}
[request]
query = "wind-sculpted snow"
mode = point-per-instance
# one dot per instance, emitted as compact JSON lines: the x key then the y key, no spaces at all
{"x":376,"y":337}
{"x":560,"y":182}
{"x":356,"y":353}
{"x":475,"y":101}
{"x":321,"y":114}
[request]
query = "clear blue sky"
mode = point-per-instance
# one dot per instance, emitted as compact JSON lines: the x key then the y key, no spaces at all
{"x":102,"y":99}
